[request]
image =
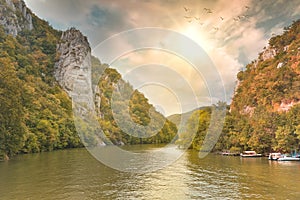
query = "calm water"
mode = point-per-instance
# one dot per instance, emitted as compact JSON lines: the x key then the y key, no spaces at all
{"x":75,"y":174}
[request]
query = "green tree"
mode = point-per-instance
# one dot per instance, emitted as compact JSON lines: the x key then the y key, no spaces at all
{"x":12,"y":127}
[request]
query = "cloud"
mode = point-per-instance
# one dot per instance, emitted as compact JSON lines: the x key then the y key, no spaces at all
{"x":232,"y":35}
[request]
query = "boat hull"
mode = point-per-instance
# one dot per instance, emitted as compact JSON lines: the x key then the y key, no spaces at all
{"x":251,"y":156}
{"x":288,"y":159}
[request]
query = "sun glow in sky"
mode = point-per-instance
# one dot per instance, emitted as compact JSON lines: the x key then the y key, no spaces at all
{"x":232,"y":33}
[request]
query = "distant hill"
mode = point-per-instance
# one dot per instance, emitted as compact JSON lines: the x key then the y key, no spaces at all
{"x":176,"y":118}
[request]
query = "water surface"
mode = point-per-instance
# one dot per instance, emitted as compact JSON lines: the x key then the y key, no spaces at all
{"x":75,"y":174}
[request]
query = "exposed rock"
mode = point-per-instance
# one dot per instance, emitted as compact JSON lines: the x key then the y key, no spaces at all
{"x":268,"y":53}
{"x":248,"y":110}
{"x":73,"y":70}
{"x":73,"y":73}
{"x":10,"y":4}
{"x":255,"y":63}
{"x":286,"y":106}
{"x":15,"y":17}
{"x":279,"y":65}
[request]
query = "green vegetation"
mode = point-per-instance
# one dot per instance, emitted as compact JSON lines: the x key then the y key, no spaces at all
{"x":195,"y":129}
{"x":36,"y":113}
{"x":260,"y":117}
{"x":129,"y":104}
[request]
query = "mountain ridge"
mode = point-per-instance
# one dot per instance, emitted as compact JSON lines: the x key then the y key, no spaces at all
{"x":38,"y":73}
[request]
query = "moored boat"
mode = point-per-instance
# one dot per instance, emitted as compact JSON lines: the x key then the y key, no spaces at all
{"x":228,"y":153}
{"x":274,"y":156}
{"x":250,"y":154}
{"x":288,"y":158}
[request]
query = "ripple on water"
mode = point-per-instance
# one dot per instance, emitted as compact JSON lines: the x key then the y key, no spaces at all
{"x":74,"y":174}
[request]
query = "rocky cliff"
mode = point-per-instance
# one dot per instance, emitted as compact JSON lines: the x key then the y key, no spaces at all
{"x":15,"y":16}
{"x":74,"y":64}
{"x":96,"y":94}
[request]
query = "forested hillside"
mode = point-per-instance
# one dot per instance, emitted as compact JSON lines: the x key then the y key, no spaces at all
{"x":265,"y":111}
{"x":35,"y":112}
{"x":130,"y":105}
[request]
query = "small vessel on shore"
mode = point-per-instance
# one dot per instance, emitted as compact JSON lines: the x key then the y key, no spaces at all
{"x":288,"y":158}
{"x":294,"y":156}
{"x":274,"y":156}
{"x":250,"y":154}
{"x":229,"y":153}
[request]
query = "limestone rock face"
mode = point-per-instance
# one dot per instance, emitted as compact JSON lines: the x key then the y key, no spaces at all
{"x":73,"y":73}
{"x":73,"y":69}
{"x":15,"y":16}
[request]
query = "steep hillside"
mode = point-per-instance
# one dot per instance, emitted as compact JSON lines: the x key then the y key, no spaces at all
{"x":35,"y":113}
{"x":87,"y":80}
{"x":120,"y":103}
{"x":273,"y":79}
{"x":265,"y":110}
{"x":39,"y":66}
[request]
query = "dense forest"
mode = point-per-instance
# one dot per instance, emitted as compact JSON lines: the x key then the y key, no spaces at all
{"x":265,"y":111}
{"x":36,"y":113}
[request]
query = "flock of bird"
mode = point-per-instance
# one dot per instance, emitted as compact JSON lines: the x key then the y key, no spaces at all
{"x":191,"y":18}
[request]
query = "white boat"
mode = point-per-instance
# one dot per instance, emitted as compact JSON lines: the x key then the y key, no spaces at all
{"x":250,"y":154}
{"x":274,"y":156}
{"x":288,"y":158}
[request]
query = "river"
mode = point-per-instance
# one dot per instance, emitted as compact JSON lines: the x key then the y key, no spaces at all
{"x":75,"y":174}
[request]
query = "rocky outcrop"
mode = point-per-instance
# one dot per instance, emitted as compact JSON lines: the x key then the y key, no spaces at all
{"x":248,"y":110}
{"x":73,"y":73}
{"x":73,"y":69}
{"x":269,"y":53}
{"x":285,"y":106}
{"x":15,"y":16}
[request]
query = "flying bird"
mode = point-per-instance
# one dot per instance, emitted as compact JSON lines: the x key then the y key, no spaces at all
{"x":236,"y":19}
{"x":186,"y":9}
{"x":207,"y":10}
{"x":222,"y":18}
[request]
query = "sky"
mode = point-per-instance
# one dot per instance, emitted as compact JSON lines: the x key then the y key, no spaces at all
{"x":180,"y":54}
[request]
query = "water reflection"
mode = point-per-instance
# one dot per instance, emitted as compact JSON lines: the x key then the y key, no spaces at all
{"x":75,"y":174}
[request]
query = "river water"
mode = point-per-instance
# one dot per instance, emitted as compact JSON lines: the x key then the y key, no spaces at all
{"x":75,"y":174}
